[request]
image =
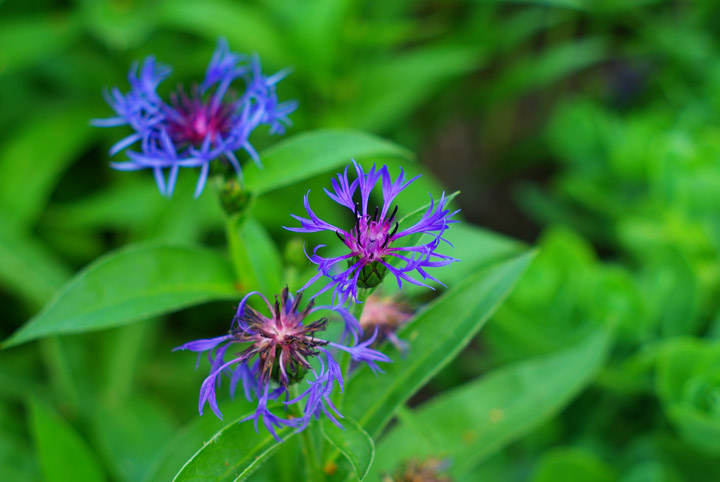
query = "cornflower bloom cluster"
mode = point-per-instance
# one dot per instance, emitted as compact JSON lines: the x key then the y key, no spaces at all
{"x":276,"y":352}
{"x":374,"y":242}
{"x":191,"y":130}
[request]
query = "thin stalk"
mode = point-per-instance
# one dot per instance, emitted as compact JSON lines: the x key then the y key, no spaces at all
{"x":310,"y":452}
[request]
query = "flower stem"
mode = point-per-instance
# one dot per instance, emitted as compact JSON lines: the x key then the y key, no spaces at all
{"x":313,"y":470}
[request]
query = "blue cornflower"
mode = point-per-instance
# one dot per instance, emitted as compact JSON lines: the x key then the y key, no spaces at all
{"x":374,"y":240}
{"x":277,"y":353}
{"x":212,"y":122}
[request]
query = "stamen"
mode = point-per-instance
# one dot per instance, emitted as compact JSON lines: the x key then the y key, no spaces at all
{"x":375,"y":216}
{"x":390,"y":235}
{"x":392,"y":216}
{"x":342,"y":238}
{"x":397,"y":225}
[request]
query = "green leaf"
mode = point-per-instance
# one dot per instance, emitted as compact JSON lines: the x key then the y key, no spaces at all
{"x":390,"y":89}
{"x":29,"y":40}
{"x":477,"y":419}
{"x":177,"y":449}
{"x":571,"y":464}
{"x":128,"y":434}
{"x":247,"y":28}
{"x":437,"y":335}
{"x":233,"y":454}
{"x":688,"y":380}
{"x":131,"y":284}
{"x":312,"y":153}
{"x":63,"y":454}
{"x":354,"y":443}
{"x":550,"y":66}
{"x":28,"y":268}
{"x":254,"y":255}
{"x":117,"y":26}
{"x":31,"y":163}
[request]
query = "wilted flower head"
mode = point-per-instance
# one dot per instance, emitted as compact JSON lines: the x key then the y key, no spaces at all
{"x":276,"y":352}
{"x":374,"y":241}
{"x":385,"y":314}
{"x":193,"y":129}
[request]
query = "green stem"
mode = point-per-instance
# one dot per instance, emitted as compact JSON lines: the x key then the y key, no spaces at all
{"x":310,"y":452}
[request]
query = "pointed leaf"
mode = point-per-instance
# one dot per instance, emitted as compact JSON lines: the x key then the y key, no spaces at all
{"x":28,"y":268}
{"x":131,"y":284}
{"x":437,"y":335}
{"x":35,"y":157}
{"x":477,"y":419}
{"x":354,"y":443}
{"x":306,"y":155}
{"x":233,"y":454}
{"x":63,"y":454}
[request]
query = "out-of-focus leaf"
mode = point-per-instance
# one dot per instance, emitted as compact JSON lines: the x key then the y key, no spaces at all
{"x":354,"y":443}
{"x":233,"y":454}
{"x":688,"y":380}
{"x":128,"y":435}
{"x":437,"y":335}
{"x":135,"y":205}
{"x":571,"y":464}
{"x":28,"y":268}
{"x":63,"y":454}
{"x":547,"y":67}
{"x":256,"y":258}
{"x":473,"y":421}
{"x":131,"y":284}
{"x":306,"y":155}
{"x":117,"y":25}
{"x":16,"y":458}
{"x":246,"y":27}
{"x":27,"y":40}
{"x":32,"y":161}
{"x":391,"y":89}
{"x":122,"y":205}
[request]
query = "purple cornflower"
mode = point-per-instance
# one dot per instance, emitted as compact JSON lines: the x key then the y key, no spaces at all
{"x":374,"y":240}
{"x":212,"y":122}
{"x":276,"y":353}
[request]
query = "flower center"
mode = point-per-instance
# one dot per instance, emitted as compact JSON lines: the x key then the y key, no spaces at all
{"x":195,"y":118}
{"x":282,"y":343}
{"x":371,"y":235}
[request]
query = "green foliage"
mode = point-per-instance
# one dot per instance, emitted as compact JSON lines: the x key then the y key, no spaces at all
{"x":438,"y":333}
{"x":135,"y":283}
{"x":471,"y":422}
{"x":232,"y":454}
{"x":354,"y":443}
{"x":57,"y":444}
{"x":587,"y":127}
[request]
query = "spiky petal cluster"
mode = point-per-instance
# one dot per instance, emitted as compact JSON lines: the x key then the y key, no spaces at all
{"x":213,"y":122}
{"x":374,"y":242}
{"x":275,"y":352}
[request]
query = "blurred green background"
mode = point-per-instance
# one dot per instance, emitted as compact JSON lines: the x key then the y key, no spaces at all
{"x":589,"y":128}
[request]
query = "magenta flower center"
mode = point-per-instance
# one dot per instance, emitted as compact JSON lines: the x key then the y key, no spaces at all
{"x":283,"y":343}
{"x":195,"y":118}
{"x":371,"y":236}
